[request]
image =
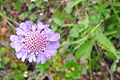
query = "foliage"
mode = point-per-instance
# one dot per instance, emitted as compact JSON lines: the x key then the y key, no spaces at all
{"x":89,"y":38}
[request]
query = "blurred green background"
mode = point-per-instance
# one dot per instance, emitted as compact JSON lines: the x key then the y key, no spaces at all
{"x":90,"y":39}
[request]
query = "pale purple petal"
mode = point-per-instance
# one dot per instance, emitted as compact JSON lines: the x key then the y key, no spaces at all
{"x":17,"y":46}
{"x":38,"y":59}
{"x":34,"y":58}
{"x":12,"y":45}
{"x":41,"y":58}
{"x":20,"y":32}
{"x":40,"y":25}
{"x":30,"y":59}
{"x":47,"y":55}
{"x":54,"y":37}
{"x":13,"y":37}
{"x":23,"y":40}
{"x":34,"y":27}
{"x":28,"y":56}
{"x":53,"y":45}
{"x":28,"y":24}
{"x":52,"y":52}
{"x":24,"y":56}
{"x":46,"y":26}
{"x":48,"y":31}
{"x":23,"y":26}
{"x":19,"y":54}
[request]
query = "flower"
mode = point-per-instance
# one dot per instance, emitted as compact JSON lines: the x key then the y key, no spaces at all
{"x":35,"y":42}
{"x":33,"y":0}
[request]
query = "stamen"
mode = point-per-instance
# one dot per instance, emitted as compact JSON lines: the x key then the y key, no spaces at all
{"x":36,"y":42}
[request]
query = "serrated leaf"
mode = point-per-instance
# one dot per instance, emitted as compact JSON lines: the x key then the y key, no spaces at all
{"x":84,"y":51}
{"x":105,"y":42}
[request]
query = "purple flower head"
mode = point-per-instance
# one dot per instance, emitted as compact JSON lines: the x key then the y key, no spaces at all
{"x":35,"y":43}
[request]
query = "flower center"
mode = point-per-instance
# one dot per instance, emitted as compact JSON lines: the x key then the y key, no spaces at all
{"x":36,"y":42}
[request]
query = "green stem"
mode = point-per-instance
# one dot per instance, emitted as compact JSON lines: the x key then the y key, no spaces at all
{"x":6,"y":19}
{"x":91,"y":77}
{"x":12,"y":20}
{"x":78,"y":41}
{"x":95,"y":27}
{"x":12,"y":26}
{"x":113,"y":32}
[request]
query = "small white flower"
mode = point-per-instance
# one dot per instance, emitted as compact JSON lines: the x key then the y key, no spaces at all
{"x":32,"y":0}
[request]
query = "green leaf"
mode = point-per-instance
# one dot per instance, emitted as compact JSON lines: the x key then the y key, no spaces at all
{"x":1,"y":14}
{"x":6,"y":60}
{"x":1,"y":65}
{"x":14,"y":65}
{"x":54,"y":27}
{"x":43,"y":67}
{"x":18,"y":4}
{"x":69,"y":64}
{"x":74,"y":32}
{"x":105,"y":42}
{"x":1,"y":2}
{"x":58,"y":18}
{"x":113,"y":67}
{"x":23,"y":16}
{"x":22,"y":67}
{"x":71,"y":4}
{"x":33,"y":17}
{"x":18,"y":75}
{"x":31,"y":6}
{"x":83,"y":52}
{"x":117,"y":4}
{"x":39,"y":3}
{"x":111,"y":55}
{"x":2,"y":51}
{"x":84,"y":22}
{"x":69,"y":7}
